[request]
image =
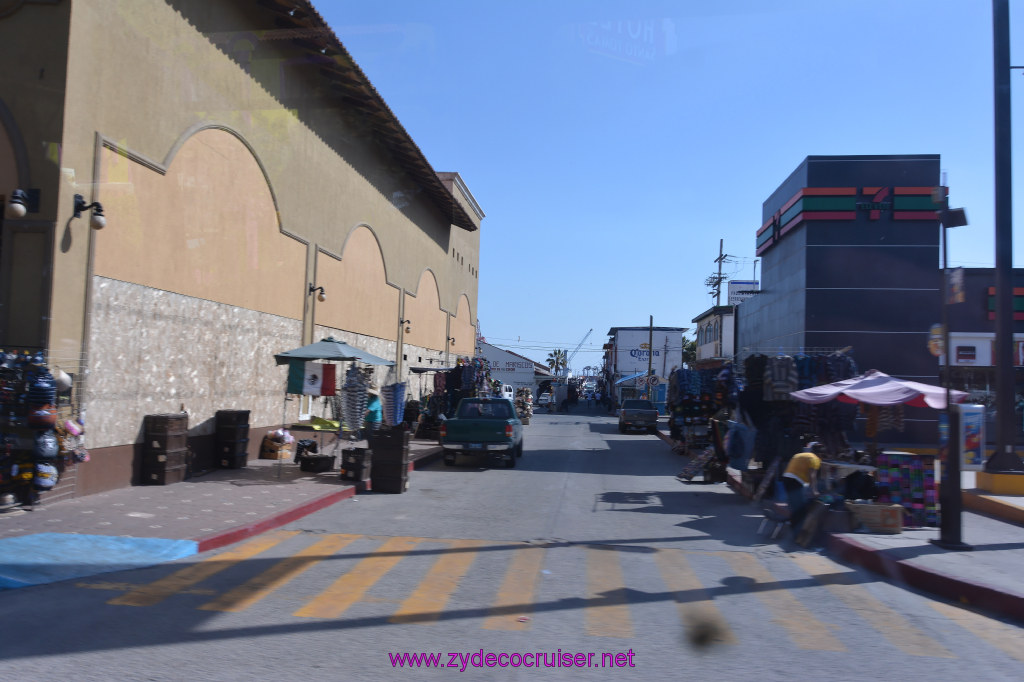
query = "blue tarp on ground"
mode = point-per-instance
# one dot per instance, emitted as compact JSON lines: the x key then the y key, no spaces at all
{"x":52,"y":557}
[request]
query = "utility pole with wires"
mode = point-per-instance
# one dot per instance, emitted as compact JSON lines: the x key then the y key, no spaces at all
{"x":715,"y":281}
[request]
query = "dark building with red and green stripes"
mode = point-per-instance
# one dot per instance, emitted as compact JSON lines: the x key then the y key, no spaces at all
{"x":850,"y":249}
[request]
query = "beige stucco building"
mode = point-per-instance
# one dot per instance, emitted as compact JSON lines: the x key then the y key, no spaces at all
{"x":241,"y":157}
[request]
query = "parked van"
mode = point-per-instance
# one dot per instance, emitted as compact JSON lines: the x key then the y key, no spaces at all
{"x":508,"y":392}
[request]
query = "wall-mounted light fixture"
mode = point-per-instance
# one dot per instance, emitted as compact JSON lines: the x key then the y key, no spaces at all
{"x":408,"y":325}
{"x":322,"y":296}
{"x":17,"y":205}
{"x":98,"y":221}
{"x":451,"y":340}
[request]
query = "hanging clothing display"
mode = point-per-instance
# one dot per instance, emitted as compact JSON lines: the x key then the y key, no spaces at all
{"x":354,"y":397}
{"x":782,"y":423}
{"x":780,"y":377}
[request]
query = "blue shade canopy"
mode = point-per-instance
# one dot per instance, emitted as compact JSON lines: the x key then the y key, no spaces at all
{"x":631,"y":376}
{"x":331,"y":349}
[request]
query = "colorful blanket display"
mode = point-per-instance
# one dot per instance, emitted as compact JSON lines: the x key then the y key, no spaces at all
{"x":908,"y":479}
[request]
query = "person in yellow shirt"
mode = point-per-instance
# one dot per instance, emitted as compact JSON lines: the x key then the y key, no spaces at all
{"x":800,"y":481}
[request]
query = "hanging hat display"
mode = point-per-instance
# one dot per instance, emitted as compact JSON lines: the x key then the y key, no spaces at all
{"x":46,"y":476}
{"x":42,"y":389}
{"x":46,"y":445}
{"x":42,"y":417}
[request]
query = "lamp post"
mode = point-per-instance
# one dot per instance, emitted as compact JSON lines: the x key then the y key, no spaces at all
{"x":951,"y":505}
{"x":1005,"y":458}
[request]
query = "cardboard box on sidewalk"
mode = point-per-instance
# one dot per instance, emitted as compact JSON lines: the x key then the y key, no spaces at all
{"x":878,"y":518}
{"x":271,"y":449}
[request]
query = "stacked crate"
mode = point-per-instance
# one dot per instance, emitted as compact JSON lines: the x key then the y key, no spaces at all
{"x":165,"y":455}
{"x":232,"y":438}
{"x":390,"y":460}
{"x":356,"y":464}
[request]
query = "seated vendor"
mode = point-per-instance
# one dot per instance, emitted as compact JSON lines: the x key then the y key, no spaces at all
{"x":801,"y":482}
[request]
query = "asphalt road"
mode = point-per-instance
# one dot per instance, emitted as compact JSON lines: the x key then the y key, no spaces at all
{"x":589,"y":551}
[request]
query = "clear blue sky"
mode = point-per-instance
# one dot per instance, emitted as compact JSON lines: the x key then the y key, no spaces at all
{"x":612,"y":144}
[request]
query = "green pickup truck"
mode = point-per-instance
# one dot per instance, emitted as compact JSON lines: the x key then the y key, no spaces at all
{"x":483,"y":428}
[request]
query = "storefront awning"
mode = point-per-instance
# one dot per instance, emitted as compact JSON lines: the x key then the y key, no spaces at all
{"x":629,"y":378}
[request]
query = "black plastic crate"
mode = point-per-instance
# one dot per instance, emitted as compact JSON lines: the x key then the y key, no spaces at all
{"x":350,"y":472}
{"x":390,"y":469}
{"x":357,"y":456}
{"x":233,"y":447}
{"x":166,"y":440}
{"x":165,"y":423}
{"x":165,"y":475}
{"x":165,"y":459}
{"x":232,"y":417}
{"x":392,"y":442}
{"x":390,"y":484}
{"x":232,"y":432}
{"x":317,"y":463}
{"x":234,"y":461}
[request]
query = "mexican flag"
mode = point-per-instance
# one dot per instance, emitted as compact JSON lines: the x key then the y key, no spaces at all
{"x":310,"y":378}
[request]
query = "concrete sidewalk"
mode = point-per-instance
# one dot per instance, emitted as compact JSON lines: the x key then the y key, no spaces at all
{"x":988,"y":577}
{"x":144,"y":525}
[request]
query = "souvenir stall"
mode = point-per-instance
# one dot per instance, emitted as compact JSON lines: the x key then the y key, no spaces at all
{"x":469,"y":378}
{"x":693,"y":397}
{"x":706,"y":415}
{"x":39,"y":438}
{"x":899,"y":478}
{"x":429,"y":407}
{"x":306,"y":377}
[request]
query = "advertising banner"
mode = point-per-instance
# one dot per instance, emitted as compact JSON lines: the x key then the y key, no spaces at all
{"x":972,"y":437}
{"x":633,"y":351}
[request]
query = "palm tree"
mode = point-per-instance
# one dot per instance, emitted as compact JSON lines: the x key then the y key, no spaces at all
{"x":556,"y":360}
{"x":689,"y":352}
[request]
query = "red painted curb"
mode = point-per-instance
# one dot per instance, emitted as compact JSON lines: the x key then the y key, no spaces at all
{"x":966,"y":592}
{"x":238,"y":533}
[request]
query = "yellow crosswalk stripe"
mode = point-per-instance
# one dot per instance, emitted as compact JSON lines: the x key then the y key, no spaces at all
{"x":255,"y":589}
{"x":518,"y":591}
{"x":806,"y":631}
{"x":894,"y":627}
{"x":425,"y":604}
{"x":179,"y":581}
{"x":349,"y":588}
{"x":611,"y":618}
{"x":1006,"y":638}
{"x":696,"y":608}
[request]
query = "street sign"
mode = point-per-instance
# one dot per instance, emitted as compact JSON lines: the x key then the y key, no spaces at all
{"x":653,"y":381}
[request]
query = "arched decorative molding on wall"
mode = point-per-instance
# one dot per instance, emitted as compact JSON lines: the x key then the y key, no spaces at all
{"x":165,"y":234}
{"x":463,"y":327}
{"x":162,"y":167}
{"x":429,"y":327}
{"x":359,"y":297}
{"x":18,"y":149}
